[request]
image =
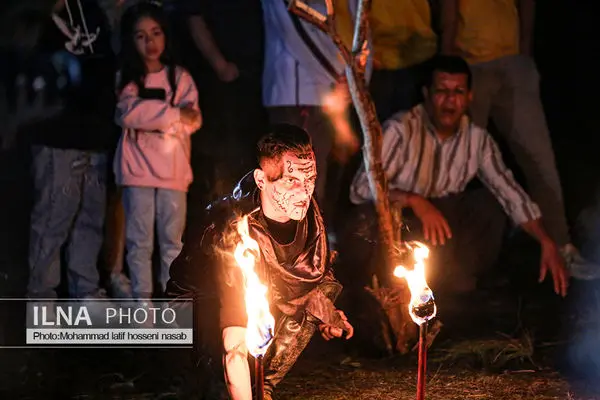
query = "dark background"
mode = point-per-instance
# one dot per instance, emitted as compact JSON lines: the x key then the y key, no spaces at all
{"x":565,"y":51}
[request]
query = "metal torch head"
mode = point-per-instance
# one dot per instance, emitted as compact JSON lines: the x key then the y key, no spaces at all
{"x":423,"y":307}
{"x":262,"y":341}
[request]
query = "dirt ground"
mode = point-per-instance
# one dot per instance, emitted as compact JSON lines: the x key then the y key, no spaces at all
{"x":513,"y":350}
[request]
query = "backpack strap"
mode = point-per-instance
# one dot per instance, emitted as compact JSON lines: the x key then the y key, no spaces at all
{"x":172,"y":78}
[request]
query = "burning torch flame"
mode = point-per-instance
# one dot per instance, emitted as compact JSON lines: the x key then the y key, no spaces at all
{"x":422,"y":306}
{"x":261,"y":324}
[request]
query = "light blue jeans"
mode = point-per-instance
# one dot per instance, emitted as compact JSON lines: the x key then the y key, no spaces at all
{"x":69,"y":208}
{"x":144,"y":207}
{"x":507,"y":90}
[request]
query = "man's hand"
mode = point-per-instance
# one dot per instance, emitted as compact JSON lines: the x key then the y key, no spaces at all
{"x":337,"y":101}
{"x":227,"y":71}
{"x":435,"y":226}
{"x":552,"y":260}
{"x":329,"y":332}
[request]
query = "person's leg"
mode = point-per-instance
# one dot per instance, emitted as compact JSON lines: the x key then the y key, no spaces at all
{"x":170,"y":224}
{"x":408,"y":84}
{"x":381,"y":87}
{"x":139,"y":204}
{"x":291,"y":338}
{"x":477,"y":223}
{"x":519,"y":116}
{"x":57,"y":177}
{"x":87,"y":234}
{"x":114,"y":244}
{"x":485,"y":86}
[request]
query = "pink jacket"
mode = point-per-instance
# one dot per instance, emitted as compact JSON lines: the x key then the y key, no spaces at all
{"x":155,"y":147}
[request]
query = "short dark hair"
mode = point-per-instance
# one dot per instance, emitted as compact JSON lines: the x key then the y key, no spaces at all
{"x":449,"y":64}
{"x":280,"y":139}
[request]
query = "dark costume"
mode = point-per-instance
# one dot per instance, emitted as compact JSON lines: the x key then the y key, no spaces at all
{"x":298,"y":274}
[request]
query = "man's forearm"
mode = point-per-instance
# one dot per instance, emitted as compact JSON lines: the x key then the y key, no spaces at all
{"x":205,"y":41}
{"x":402,"y":197}
{"x":449,"y":25}
{"x":526,"y":25}
{"x":535,"y":229}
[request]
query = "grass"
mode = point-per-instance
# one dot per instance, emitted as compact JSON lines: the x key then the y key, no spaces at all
{"x":374,"y":381}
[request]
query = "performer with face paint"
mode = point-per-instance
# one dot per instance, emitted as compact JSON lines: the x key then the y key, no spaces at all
{"x":295,"y":262}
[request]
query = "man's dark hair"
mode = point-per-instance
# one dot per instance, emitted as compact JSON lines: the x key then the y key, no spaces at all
{"x":449,"y":64}
{"x":280,"y":139}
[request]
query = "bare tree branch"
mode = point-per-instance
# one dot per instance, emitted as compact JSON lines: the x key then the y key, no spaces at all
{"x":309,"y":14}
{"x":372,"y":132}
{"x":373,"y":137}
{"x":330,"y":9}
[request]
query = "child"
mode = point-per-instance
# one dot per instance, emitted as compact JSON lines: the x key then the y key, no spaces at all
{"x":158,"y":110}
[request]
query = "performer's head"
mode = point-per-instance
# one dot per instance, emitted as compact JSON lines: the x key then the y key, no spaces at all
{"x":447,"y":92}
{"x":287,"y":173}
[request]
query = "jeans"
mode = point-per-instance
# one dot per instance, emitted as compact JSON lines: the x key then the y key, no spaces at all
{"x":114,"y":244}
{"x":397,"y":90}
{"x":143,"y":207}
{"x":69,"y":208}
{"x":507,"y":91}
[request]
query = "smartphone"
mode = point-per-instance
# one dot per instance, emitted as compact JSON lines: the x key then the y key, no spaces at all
{"x":153,"y":94}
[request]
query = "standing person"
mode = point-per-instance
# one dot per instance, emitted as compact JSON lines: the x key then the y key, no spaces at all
{"x":496,"y":38}
{"x":158,"y":110}
{"x":403,"y":41}
{"x":302,"y":68}
{"x":70,"y":152}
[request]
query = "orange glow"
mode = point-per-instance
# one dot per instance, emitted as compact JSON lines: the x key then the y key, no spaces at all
{"x":422,"y":306}
{"x":261,"y":324}
{"x":335,"y":106}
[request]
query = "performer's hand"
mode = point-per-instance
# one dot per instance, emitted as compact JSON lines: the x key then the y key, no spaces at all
{"x":329,"y":332}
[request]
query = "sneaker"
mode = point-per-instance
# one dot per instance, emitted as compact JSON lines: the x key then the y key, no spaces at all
{"x":97,"y":303}
{"x":120,"y":286}
{"x":579,"y":267}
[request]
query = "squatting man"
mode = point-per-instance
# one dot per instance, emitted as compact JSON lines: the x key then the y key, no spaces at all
{"x":295,"y":261}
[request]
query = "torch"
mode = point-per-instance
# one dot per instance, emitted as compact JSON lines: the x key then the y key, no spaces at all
{"x":261,"y":324}
{"x":422,"y":305}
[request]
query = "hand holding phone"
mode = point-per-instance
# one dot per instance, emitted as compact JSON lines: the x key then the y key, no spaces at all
{"x":189,"y":116}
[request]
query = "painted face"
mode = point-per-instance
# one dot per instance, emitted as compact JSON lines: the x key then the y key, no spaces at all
{"x":149,"y":39}
{"x":448,"y":99}
{"x":288,"y":196}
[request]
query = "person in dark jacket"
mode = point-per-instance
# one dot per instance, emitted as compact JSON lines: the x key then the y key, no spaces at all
{"x":294,"y":261}
{"x":70,"y":151}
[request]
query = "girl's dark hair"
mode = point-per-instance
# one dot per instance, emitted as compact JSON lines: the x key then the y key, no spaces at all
{"x":132,"y":66}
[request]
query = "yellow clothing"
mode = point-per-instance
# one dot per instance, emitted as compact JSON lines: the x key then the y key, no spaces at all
{"x":402,"y":33}
{"x":344,"y":23}
{"x":487,"y":29}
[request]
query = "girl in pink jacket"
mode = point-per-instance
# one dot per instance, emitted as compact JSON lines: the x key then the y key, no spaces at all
{"x":158,"y":111}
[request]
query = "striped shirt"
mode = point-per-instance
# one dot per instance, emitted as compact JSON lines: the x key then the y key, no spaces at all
{"x":416,"y":160}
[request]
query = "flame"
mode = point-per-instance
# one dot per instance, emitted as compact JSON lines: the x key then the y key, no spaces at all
{"x":261,"y":324}
{"x":422,"y":306}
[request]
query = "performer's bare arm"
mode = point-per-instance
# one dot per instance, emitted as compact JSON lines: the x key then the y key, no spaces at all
{"x":235,"y":363}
